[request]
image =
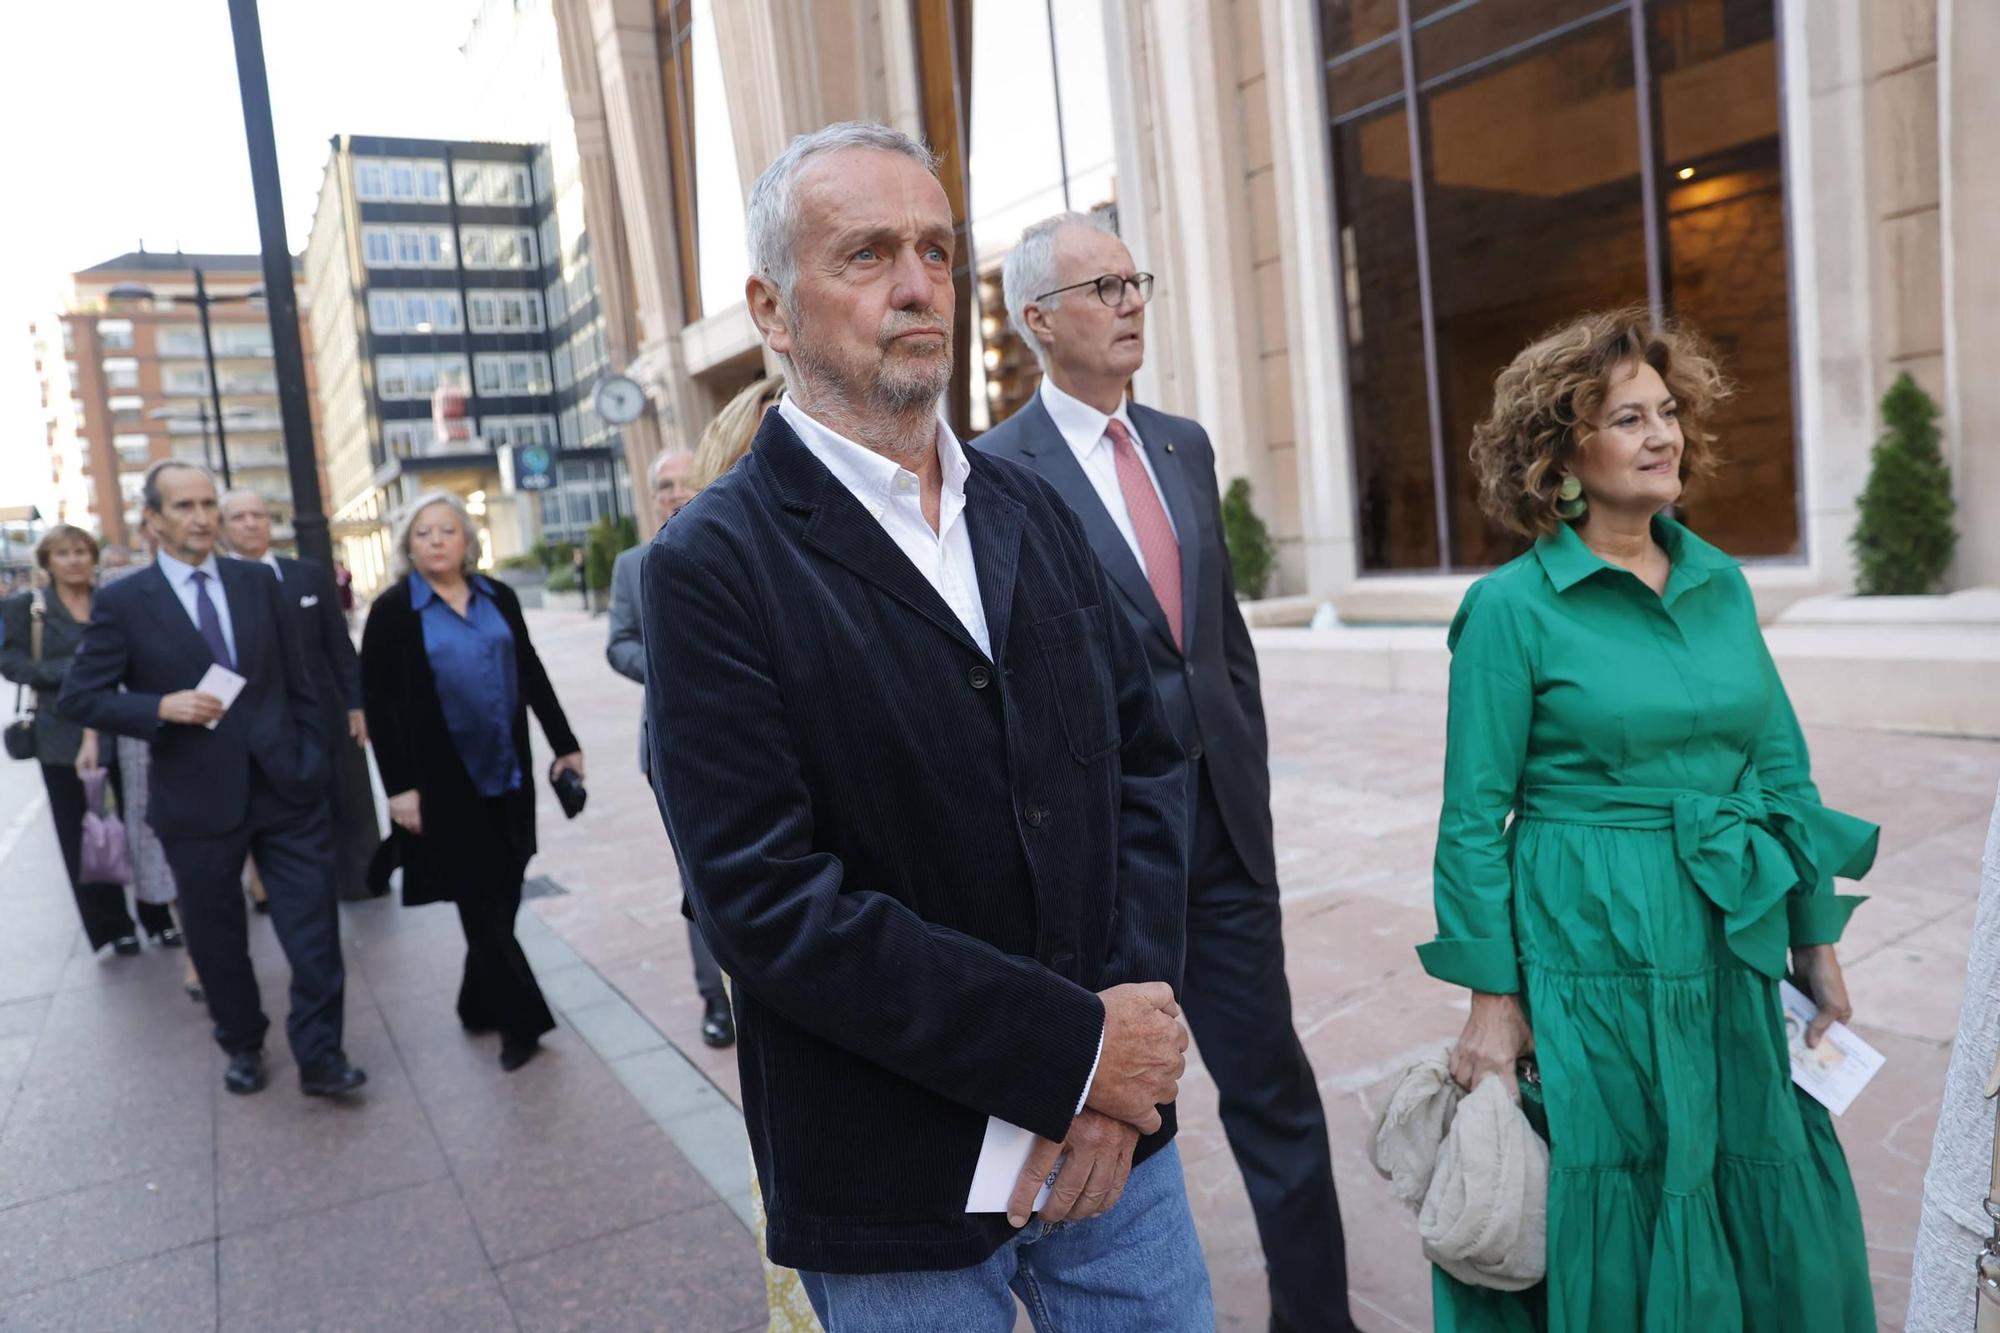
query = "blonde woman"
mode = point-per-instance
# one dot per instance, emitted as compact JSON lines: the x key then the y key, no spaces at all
{"x":448,"y":675}
{"x":1630,"y":846}
{"x":725,"y":441}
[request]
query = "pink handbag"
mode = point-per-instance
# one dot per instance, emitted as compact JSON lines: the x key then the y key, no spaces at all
{"x":107,"y":858}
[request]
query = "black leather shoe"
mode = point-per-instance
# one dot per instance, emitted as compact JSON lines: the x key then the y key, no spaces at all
{"x":245,"y":1074}
{"x":517,"y":1051}
{"x":170,"y":938}
{"x":718,"y":1026}
{"x":330,"y":1076}
{"x":126,"y":945}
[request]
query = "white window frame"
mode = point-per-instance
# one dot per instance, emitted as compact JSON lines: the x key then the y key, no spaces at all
{"x":385,"y":311}
{"x":392,"y":371}
{"x":374,"y":238}
{"x":363,"y":189}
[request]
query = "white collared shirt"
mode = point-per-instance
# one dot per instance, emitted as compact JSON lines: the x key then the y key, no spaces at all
{"x":269,"y":560}
{"x":180,"y":577}
{"x":894,"y":497}
{"x":1083,"y":430}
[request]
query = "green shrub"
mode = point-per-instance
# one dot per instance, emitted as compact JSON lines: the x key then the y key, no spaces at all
{"x":561,"y":579}
{"x":1252,"y":554}
{"x":554,"y":555}
{"x":526,"y":560}
{"x":1904,"y":538}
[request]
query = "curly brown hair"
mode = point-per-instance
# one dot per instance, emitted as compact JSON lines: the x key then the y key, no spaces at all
{"x":1545,"y":399}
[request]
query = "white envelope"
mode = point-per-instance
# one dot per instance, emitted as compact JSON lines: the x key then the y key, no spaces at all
{"x":224,"y":684}
{"x":1001,"y":1157}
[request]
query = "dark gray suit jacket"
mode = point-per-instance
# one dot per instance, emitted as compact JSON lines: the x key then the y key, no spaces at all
{"x":625,"y":649}
{"x":1210,"y":691}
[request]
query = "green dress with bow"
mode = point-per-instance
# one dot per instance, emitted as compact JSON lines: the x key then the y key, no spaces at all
{"x":1631,"y":841}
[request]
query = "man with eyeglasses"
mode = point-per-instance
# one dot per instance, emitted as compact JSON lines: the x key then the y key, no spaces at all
{"x":1144,"y":486}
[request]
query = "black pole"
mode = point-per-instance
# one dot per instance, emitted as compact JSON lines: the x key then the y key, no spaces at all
{"x":207,"y":451}
{"x":201,"y":302}
{"x":280,"y":300}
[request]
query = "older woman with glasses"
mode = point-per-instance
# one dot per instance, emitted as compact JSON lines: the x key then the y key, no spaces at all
{"x":448,"y":675}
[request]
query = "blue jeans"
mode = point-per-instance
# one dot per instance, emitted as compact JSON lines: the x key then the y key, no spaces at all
{"x":1135,"y":1269}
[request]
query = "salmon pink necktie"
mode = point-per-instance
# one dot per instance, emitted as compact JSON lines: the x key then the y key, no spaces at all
{"x":1157,"y":547}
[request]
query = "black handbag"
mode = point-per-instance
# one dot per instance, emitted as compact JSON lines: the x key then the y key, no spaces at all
{"x":569,"y":790}
{"x":20,"y":734}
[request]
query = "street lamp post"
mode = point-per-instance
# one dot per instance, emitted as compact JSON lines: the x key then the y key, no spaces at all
{"x":202,"y":300}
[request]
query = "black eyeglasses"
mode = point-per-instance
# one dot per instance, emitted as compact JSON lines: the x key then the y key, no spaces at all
{"x":1110,"y":288}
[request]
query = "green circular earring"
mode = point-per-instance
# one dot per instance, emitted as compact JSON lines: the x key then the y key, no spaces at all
{"x":1569,"y":498}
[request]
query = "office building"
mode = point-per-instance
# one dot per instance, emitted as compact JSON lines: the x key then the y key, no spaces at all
{"x":457,"y":341}
{"x":1357,"y":210}
{"x":131,"y":386}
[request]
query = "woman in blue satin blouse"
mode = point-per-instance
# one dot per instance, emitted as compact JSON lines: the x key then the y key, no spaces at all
{"x":448,"y":675}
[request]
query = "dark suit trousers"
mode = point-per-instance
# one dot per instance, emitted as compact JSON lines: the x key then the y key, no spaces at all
{"x":1239,"y":1008}
{"x":499,"y":993}
{"x":293,"y":856}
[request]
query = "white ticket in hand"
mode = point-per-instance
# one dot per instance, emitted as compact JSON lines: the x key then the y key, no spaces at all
{"x":1835,"y":1071}
{"x":224,"y":684}
{"x":1001,"y":1159}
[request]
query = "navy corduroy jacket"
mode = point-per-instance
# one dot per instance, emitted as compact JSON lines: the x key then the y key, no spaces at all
{"x":918,"y":864}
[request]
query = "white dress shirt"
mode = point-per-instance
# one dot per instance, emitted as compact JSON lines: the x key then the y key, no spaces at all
{"x":1083,"y":429}
{"x":180,"y":577}
{"x":894,"y":496}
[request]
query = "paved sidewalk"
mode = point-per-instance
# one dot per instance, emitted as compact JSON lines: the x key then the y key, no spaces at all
{"x":136,"y":1194}
{"x":1355,"y":780}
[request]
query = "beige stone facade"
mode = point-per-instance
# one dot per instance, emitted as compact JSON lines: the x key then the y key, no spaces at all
{"x":1835,"y":223}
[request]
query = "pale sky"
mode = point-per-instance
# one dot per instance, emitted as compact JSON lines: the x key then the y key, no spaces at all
{"x":123,"y":121}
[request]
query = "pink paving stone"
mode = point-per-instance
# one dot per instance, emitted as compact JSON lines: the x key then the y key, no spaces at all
{"x":1355,"y":795}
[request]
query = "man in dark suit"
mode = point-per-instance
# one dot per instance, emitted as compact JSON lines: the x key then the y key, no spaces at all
{"x":310,"y":594}
{"x":927,"y":811}
{"x":1143,"y":484}
{"x":248,"y":778}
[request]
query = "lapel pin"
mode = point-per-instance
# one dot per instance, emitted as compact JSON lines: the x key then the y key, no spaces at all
{"x":1170,"y":447}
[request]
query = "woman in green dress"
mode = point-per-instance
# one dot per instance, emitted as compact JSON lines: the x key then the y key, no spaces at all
{"x":1630,"y":845}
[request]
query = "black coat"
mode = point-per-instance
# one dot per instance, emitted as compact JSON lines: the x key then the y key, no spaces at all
{"x":315,"y":601}
{"x":140,"y":637}
{"x":414,"y":748}
{"x":1211,"y":691}
{"x":919,"y":863}
{"x":57,"y":738}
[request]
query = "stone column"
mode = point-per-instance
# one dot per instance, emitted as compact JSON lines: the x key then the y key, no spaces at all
{"x":1969,"y":107}
{"x":628,"y":74}
{"x":1317,"y":379}
{"x":605,"y":225}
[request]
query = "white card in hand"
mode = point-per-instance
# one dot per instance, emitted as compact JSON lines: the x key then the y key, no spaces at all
{"x":1834,"y":1072}
{"x":1001,"y":1157}
{"x":224,"y":684}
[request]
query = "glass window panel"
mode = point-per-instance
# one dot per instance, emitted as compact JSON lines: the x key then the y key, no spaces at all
{"x":402,"y":180}
{"x":1364,"y":78}
{"x":416,"y":312}
{"x":476,"y":246}
{"x":467,"y":180}
{"x":451,"y":372}
{"x":506,"y":248}
{"x":444,"y":311}
{"x":1522,"y":238}
{"x":718,"y":188}
{"x":409,"y":247}
{"x":391,"y":377}
{"x":430,"y":182}
{"x":423,"y":376}
{"x":520,"y":375}
{"x":1346,"y":24}
{"x":370,"y":181}
{"x":1387,"y":395}
{"x":490,"y":373}
{"x":437,"y":247}
{"x":1728,"y":270}
{"x":377,"y":249}
{"x":1459,"y":37}
{"x":384,"y":312}
{"x":115,"y":334}
{"x":121,"y":373}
